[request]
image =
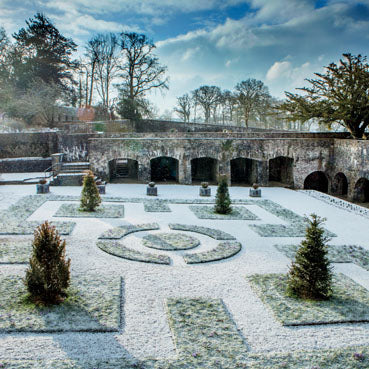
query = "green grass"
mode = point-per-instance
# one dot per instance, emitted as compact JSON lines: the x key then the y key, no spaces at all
{"x":170,"y":241}
{"x":156,"y":206}
{"x":122,"y":231}
{"x":349,"y":303}
{"x":238,"y":213}
{"x":204,"y":331}
{"x":223,"y":250}
{"x":117,"y":249}
{"x":15,"y":250}
{"x":343,"y":358}
{"x":211,"y":232}
{"x":336,"y":254}
{"x":93,"y":305}
{"x":104,"y":211}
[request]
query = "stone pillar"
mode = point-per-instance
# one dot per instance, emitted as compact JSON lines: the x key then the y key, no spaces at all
{"x":144,"y":170}
{"x":225,"y":169}
{"x":57,"y":162}
{"x":262,"y":172}
{"x":184,"y":171}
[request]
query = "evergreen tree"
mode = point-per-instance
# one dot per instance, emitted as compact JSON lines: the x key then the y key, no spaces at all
{"x":222,"y":200}
{"x":310,"y":275}
{"x":90,"y":198}
{"x":48,"y":275}
{"x":340,"y":95}
{"x":44,"y":53}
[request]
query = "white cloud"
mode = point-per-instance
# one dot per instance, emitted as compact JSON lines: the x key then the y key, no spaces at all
{"x":278,"y":70}
{"x":189,"y":53}
{"x":145,"y":7}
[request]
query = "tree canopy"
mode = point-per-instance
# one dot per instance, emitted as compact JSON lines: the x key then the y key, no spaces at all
{"x":253,"y":98}
{"x":43,"y":53}
{"x":340,"y":95}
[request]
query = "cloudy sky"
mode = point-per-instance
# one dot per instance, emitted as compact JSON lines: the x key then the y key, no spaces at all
{"x":217,"y":42}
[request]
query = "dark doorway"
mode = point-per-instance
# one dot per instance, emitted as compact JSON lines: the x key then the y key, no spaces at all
{"x":204,"y":169}
{"x":316,"y":181}
{"x":123,"y":170}
{"x":164,"y":169}
{"x":361,"y":190}
{"x":244,"y":171}
{"x":339,"y":185}
{"x":281,"y":170}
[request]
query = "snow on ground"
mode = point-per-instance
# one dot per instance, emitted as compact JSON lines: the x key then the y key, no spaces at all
{"x":145,"y":329}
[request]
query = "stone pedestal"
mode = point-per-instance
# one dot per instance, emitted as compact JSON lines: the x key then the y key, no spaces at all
{"x":151,"y":191}
{"x":102,"y":189}
{"x":205,"y":191}
{"x":42,"y":188}
{"x":255,"y":192}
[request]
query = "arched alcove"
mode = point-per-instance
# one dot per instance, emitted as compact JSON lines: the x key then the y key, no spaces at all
{"x":316,"y":181}
{"x":361,"y":190}
{"x":123,"y":170}
{"x":164,"y":169}
{"x":339,"y":185}
{"x":204,"y":169}
{"x":243,"y":171}
{"x":281,"y":170}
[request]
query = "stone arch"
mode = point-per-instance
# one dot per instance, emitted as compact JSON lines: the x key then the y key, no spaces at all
{"x":281,"y":170}
{"x":204,"y":169}
{"x":361,"y":190}
{"x":123,"y":170}
{"x":340,"y":185}
{"x":164,"y":168}
{"x":316,"y":181}
{"x":244,"y":171}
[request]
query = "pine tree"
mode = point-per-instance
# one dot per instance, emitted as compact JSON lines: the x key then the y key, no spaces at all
{"x":48,"y":275}
{"x":90,"y":198}
{"x":222,"y":200}
{"x":310,"y":275}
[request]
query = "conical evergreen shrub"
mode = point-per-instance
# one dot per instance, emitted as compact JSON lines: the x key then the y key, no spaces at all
{"x":310,"y":275}
{"x":90,"y":197}
{"x":48,"y":275}
{"x":222,"y":200}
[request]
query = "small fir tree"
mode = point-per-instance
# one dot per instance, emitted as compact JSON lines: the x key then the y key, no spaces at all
{"x":222,"y":200}
{"x":90,"y":198}
{"x":48,"y":275}
{"x":310,"y":275}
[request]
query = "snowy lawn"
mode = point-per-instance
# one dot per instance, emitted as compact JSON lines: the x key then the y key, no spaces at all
{"x":15,"y":250}
{"x":117,"y":249}
{"x":148,"y":333}
{"x":237,"y":213}
{"x":336,"y":254}
{"x":349,"y":302}
{"x":93,"y":305}
{"x":223,"y":250}
{"x":103,"y":211}
{"x":170,"y":241}
{"x":122,"y":231}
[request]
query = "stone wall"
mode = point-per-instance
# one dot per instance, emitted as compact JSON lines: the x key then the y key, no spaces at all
{"x":17,"y":145}
{"x":308,"y":155}
{"x":19,"y":165}
{"x":351,"y":157}
{"x":74,"y":146}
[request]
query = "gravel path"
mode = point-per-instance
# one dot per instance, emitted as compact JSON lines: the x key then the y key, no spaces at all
{"x":145,"y":331}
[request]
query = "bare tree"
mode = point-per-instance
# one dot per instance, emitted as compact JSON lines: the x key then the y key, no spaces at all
{"x":253,"y":99}
{"x":103,"y":55}
{"x":228,"y":104}
{"x":184,"y":106}
{"x":208,"y":97}
{"x":141,"y":71}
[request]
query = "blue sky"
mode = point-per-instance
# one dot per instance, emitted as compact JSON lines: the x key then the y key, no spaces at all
{"x":217,"y":42}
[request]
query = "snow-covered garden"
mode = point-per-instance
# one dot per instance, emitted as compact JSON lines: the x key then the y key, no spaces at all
{"x":166,"y":283}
